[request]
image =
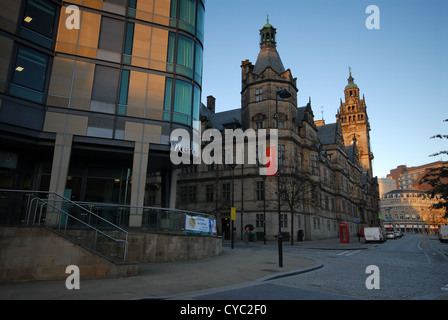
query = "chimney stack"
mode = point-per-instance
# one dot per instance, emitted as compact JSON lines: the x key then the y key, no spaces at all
{"x":211,"y":103}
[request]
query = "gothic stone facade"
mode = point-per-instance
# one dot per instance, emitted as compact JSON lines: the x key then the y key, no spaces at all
{"x":330,"y":162}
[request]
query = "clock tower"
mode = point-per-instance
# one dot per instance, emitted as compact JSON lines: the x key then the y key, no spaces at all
{"x":352,"y":115}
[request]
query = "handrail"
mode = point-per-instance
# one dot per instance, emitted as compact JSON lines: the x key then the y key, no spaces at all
{"x":82,"y":222}
{"x":61,"y":211}
{"x":117,"y":217}
{"x":63,"y":198}
{"x":115,"y":205}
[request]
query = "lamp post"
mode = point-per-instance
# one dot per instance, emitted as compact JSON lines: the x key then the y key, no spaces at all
{"x":233,"y":203}
{"x":283,"y":94}
{"x":264,"y":209}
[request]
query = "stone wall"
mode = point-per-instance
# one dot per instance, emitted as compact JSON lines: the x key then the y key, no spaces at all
{"x":34,"y":253}
{"x":38,"y":254}
{"x":153,"y":247}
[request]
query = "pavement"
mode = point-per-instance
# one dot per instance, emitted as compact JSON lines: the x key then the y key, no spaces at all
{"x":253,"y":262}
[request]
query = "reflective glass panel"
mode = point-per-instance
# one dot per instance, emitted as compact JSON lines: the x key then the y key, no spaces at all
{"x":137,"y":89}
{"x":61,"y":77}
{"x":198,"y":63}
{"x":38,"y":23}
{"x":30,"y":69}
{"x":89,"y":30}
{"x":200,"y":23}
{"x":156,"y":90}
{"x":105,"y":85}
{"x":185,"y":56}
{"x":83,"y":80}
{"x":111,"y":36}
{"x":182,"y":99}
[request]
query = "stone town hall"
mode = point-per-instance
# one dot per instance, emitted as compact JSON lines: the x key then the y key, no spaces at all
{"x":328,"y":165}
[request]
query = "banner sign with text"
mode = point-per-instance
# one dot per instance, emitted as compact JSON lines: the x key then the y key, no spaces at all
{"x":197,"y":224}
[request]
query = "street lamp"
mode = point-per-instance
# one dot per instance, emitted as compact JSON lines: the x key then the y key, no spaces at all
{"x":283,"y":94}
{"x":233,"y":203}
{"x":264,"y":208}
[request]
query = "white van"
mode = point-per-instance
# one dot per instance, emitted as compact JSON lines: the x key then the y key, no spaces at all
{"x":443,"y":233}
{"x":373,"y":234}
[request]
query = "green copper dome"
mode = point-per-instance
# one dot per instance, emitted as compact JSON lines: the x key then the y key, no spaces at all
{"x":351,"y":83}
{"x":267,"y":25}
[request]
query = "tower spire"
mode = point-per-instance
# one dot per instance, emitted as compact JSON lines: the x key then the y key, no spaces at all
{"x":268,"y":35}
{"x":268,"y":56}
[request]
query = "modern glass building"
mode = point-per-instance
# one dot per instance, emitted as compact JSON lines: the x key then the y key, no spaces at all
{"x":90,"y":91}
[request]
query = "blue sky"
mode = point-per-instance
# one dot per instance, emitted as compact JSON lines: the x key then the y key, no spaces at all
{"x":402,"y":68}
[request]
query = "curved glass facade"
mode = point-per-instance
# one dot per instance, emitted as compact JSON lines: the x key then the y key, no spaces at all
{"x":153,"y":45}
{"x":97,"y":82}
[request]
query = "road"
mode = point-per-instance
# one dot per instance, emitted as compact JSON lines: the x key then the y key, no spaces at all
{"x":413,"y":267}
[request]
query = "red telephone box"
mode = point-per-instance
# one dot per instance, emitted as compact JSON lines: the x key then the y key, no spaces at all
{"x":343,"y":232}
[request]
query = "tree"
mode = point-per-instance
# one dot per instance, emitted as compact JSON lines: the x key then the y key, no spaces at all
{"x":437,"y":178}
{"x":296,"y":189}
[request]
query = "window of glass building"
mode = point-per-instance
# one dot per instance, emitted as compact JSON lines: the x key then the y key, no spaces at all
{"x":82,"y":42}
{"x":146,"y":47}
{"x":189,"y":55}
{"x":141,"y":95}
{"x":5,"y":57}
{"x":168,"y":99}
{"x":198,"y":64}
{"x":185,"y":56}
{"x":185,"y":12}
{"x":105,"y":89}
{"x":186,"y":104}
{"x":38,"y":22}
{"x":182,"y":102}
{"x":28,"y":81}
{"x":196,"y":108}
{"x":200,"y":23}
{"x":71,"y":82}
{"x":111,"y":34}
{"x":171,"y":52}
{"x":100,"y":127}
{"x":157,"y":11}
{"x":128,"y":42}
{"x":189,"y":15}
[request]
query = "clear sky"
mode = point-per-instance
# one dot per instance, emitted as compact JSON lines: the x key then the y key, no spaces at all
{"x":401,"y":68}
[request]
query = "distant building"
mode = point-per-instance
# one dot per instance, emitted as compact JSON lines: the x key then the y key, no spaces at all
{"x":386,"y":185}
{"x":410,"y":211}
{"x":409,"y":177}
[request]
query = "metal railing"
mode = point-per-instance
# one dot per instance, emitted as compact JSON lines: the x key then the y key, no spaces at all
{"x":80,"y":225}
{"x":98,"y":226}
{"x":152,"y":219}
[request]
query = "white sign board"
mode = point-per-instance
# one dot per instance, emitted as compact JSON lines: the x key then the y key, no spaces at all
{"x":196,"y":224}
